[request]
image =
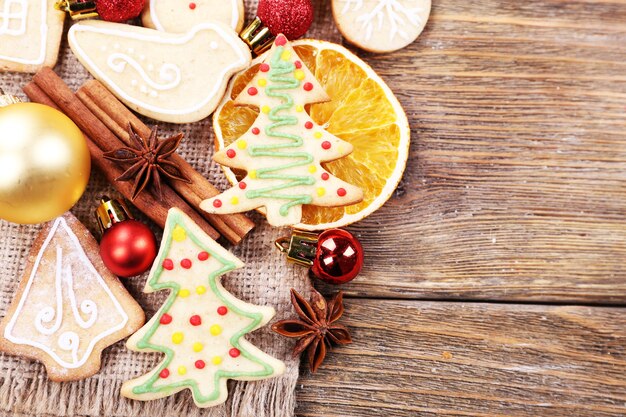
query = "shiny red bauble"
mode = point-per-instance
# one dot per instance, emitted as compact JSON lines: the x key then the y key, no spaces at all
{"x":292,"y":18}
{"x":128,"y":248}
{"x":338,"y":258}
{"x":119,"y":10}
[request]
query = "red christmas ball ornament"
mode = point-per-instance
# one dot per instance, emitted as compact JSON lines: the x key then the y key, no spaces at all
{"x":292,"y":18}
{"x":109,"y":10}
{"x":289,"y":17}
{"x":338,"y":258}
{"x":128,"y":247}
{"x":119,"y":10}
{"x":335,"y":256}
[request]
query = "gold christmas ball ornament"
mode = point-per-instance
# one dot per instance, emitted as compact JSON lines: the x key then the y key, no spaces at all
{"x":44,"y":162}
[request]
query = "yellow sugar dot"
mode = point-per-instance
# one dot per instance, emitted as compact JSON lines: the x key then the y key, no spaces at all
{"x":317,"y":135}
{"x":299,"y":108}
{"x":182,"y":370}
{"x":179,"y":234}
{"x":299,"y":74}
{"x":216,"y":360}
{"x":234,"y":201}
{"x":178,"y":337}
{"x":184,"y":293}
{"x":265,"y":109}
{"x":242,"y":144}
{"x":285,"y":55}
{"x":312,"y":169}
{"x":197,"y":347}
{"x":252,"y":174}
{"x":215,"y":330}
{"x":321,"y":191}
{"x":201,"y":289}
{"x":262,"y":82}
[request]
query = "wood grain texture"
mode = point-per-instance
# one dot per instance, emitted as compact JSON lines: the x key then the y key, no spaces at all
{"x":516,"y":184}
{"x":412,"y":358}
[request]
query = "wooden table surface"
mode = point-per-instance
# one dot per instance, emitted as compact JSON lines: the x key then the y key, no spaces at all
{"x":495,"y":278}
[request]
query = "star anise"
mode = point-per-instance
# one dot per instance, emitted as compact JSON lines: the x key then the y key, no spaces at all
{"x":317,"y":327}
{"x":149,"y":159}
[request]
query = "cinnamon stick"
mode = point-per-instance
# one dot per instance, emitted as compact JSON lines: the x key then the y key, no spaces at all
{"x":231,"y":235}
{"x":48,"y":88}
{"x":117,"y":116}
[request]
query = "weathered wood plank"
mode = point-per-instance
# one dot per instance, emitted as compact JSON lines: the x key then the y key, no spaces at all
{"x":413,"y":358}
{"x":516,"y":183}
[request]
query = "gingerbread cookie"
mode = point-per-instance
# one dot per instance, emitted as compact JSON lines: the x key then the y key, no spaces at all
{"x":179,"y":16}
{"x":201,"y":327}
{"x":177,"y":78}
{"x":68,"y":306}
{"x":283,"y":150}
{"x":30,"y":34}
{"x":381,"y":25}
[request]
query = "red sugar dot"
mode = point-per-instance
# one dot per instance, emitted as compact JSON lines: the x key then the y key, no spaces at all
{"x":234,"y":352}
{"x":168,"y":264}
{"x":192,"y":6}
{"x":203,"y":256}
{"x":164,"y":373}
{"x":298,"y":64}
{"x":195,"y":320}
{"x":165,"y":319}
{"x":231,"y":153}
{"x":222,"y":311}
{"x":326,"y":145}
{"x":252,"y":91}
{"x":341,"y":192}
{"x":242,"y":185}
{"x":308,"y":125}
{"x":307,"y":86}
{"x":217,"y":203}
{"x":281,"y":40}
{"x":200,"y":364}
{"x":325,"y":176}
{"x":185,"y":263}
{"x":264,"y":67}
{"x":255,"y":130}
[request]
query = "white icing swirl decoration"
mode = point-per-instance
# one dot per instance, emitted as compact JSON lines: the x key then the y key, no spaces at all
{"x":69,"y":341}
{"x":169,"y":74}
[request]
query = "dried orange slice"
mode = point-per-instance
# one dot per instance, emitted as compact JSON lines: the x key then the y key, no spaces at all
{"x":363,"y":111}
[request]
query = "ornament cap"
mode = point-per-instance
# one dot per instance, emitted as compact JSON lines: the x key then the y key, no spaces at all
{"x":7,"y":99}
{"x":257,"y":36}
{"x":300,"y":247}
{"x":78,"y":9}
{"x":110,"y":212}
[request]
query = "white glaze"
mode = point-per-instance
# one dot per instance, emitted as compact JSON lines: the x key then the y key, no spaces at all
{"x":386,"y":12}
{"x":166,"y":40}
{"x":159,"y":26}
{"x":23,"y":15}
{"x":68,"y":340}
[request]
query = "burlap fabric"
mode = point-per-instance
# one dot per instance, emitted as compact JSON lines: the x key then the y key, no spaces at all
{"x":266,"y":279}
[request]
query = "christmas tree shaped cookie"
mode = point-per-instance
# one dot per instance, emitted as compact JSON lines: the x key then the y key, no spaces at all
{"x":68,"y":306}
{"x":176,"y":78}
{"x":283,"y":150}
{"x":201,"y":327}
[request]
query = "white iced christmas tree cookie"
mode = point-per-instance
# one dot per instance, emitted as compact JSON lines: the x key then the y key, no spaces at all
{"x":200,"y":328}
{"x":178,"y":16}
{"x":175,"y":78}
{"x":68,"y":306}
{"x":30,"y":34}
{"x":381,"y":25}
{"x":283,"y":150}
